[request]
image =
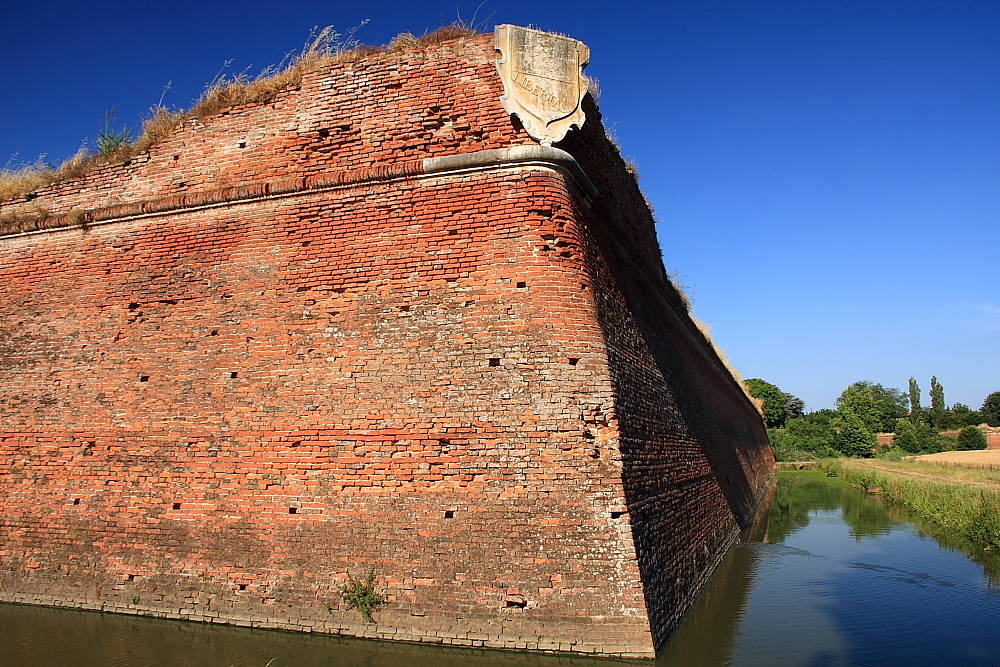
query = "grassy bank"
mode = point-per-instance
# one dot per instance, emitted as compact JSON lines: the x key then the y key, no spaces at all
{"x":972,"y":512}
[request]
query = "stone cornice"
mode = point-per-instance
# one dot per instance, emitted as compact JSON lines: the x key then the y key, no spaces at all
{"x":515,"y":156}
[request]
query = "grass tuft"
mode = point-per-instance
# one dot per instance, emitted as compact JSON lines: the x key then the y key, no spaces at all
{"x":324,"y":47}
{"x":15,"y":180}
{"x":28,"y":219}
{"x":111,"y":140}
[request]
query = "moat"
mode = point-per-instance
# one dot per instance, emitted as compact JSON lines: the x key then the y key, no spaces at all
{"x":833,"y":577}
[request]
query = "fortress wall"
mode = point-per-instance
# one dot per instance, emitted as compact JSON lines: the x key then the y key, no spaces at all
{"x":360,"y":328}
{"x":348,"y":116}
{"x":696,"y":459}
{"x":477,"y":383}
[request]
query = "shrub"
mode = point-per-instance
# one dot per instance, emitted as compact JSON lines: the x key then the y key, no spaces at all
{"x":894,"y":454}
{"x":971,"y":437}
{"x":361,"y":595}
{"x":917,"y":438}
{"x":803,"y":439}
{"x":855,"y":438}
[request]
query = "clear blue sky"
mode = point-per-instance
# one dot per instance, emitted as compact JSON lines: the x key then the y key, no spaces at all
{"x":826,"y":174}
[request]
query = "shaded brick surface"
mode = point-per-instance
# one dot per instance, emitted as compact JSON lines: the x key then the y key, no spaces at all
{"x":477,"y":384}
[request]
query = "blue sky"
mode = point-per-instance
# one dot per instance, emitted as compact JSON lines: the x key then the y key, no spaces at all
{"x":825,"y":174}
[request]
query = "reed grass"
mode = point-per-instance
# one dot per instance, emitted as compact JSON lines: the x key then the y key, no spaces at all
{"x":973,"y":513}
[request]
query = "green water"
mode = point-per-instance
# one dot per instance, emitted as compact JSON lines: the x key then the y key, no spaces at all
{"x":830,"y":576}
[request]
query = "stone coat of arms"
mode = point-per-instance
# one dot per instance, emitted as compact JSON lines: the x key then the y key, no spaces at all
{"x":543,"y":80}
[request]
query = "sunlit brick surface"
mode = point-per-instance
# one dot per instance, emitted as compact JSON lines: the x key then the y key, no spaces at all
{"x":475,"y":383}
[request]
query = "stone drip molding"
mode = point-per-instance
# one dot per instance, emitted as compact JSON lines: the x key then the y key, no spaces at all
{"x":488,"y":160}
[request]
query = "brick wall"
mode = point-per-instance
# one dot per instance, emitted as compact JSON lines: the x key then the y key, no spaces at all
{"x":992,"y":439}
{"x":276,"y":354}
{"x":697,"y":459}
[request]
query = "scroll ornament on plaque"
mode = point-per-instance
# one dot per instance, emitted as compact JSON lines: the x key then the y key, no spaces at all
{"x":543,"y":80}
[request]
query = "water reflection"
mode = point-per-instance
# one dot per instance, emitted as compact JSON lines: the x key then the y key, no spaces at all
{"x":842,"y":578}
{"x":830,"y":576}
{"x":42,"y":637}
{"x":799,"y":494}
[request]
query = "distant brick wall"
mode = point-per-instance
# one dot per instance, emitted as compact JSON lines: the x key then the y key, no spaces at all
{"x":885,"y":439}
{"x":280,"y":354}
{"x":992,"y":439}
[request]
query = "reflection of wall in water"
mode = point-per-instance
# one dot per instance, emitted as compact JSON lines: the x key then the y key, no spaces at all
{"x":709,"y":631}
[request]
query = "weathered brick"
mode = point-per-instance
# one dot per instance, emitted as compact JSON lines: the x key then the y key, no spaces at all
{"x":258,"y":369}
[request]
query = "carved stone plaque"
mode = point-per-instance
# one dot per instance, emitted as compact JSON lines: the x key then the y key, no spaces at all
{"x":543,"y":80}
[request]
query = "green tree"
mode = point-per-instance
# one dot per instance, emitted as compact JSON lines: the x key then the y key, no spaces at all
{"x":971,"y":438}
{"x":825,"y":416}
{"x":877,"y":406}
{"x":857,"y":401}
{"x":937,"y":402}
{"x":774,"y":401}
{"x":914,"y":396}
{"x":961,"y":416}
{"x":916,"y":438}
{"x":855,"y":438}
{"x":794,"y":407}
{"x":803,"y":439}
{"x":906,"y":437}
{"x":991,"y":409}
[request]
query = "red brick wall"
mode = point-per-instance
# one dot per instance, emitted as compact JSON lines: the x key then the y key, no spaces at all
{"x":472,"y":383}
{"x":697,"y":462}
{"x":993,"y":440}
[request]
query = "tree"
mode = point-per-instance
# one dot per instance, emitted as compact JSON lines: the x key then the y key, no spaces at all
{"x":961,"y":416}
{"x":971,"y":437}
{"x":906,"y":437}
{"x":991,"y":409}
{"x":878,"y":407}
{"x":826,"y":416}
{"x":937,"y":401}
{"x":916,"y":438}
{"x":914,"y":398}
{"x":855,"y":438}
{"x":794,"y":407}
{"x":774,"y":401}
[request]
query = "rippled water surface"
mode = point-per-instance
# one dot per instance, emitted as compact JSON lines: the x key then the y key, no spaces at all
{"x":835,"y":577}
{"x":829,"y":577}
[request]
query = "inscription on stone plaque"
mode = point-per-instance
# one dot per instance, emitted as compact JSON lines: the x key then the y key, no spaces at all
{"x":543,"y":80}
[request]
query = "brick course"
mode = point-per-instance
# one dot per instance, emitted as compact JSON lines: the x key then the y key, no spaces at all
{"x":276,"y":353}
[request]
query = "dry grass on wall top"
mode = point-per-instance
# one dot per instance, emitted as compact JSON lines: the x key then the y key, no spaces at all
{"x":706,"y":331}
{"x":324,"y":48}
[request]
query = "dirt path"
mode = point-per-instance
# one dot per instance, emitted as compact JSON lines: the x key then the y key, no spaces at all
{"x":876,"y":465}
